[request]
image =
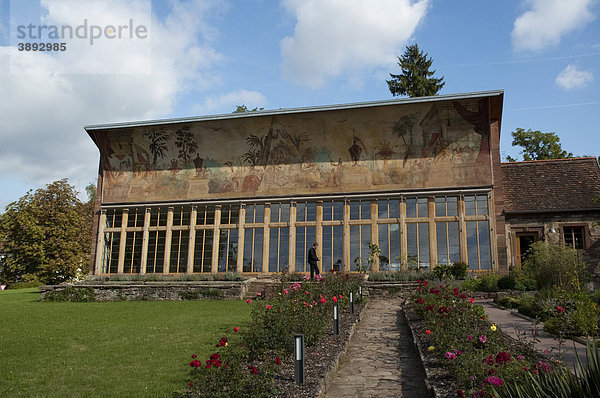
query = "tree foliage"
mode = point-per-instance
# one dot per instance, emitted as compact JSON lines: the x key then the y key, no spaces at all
{"x":416,"y":80}
{"x":538,"y":146}
{"x":244,"y":108}
{"x":47,"y":235}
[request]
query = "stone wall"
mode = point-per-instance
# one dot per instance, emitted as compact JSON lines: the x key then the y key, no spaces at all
{"x":151,"y":291}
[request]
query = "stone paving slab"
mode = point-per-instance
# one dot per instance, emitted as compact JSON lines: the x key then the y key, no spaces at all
{"x":523,"y":329}
{"x":381,"y":360}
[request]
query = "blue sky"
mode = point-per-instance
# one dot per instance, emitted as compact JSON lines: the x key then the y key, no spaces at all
{"x":204,"y":57}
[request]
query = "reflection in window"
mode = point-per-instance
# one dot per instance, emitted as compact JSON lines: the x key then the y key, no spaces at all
{"x":203,"y":248}
{"x":389,"y":244}
{"x":305,"y":237}
{"x":360,"y":236}
{"x":156,"y":252}
{"x":448,"y":245}
{"x":333,"y":210}
{"x":280,"y":212}
{"x":179,"y":251}
{"x":416,"y":207}
{"x":388,"y":208}
{"x":279,"y":240}
{"x":110,"y":256}
{"x":253,"y":246}
{"x":332,"y":248}
{"x":254,"y":213}
{"x":114,"y":218}
{"x":360,"y":210}
{"x":133,"y":252}
{"x":478,"y":245}
{"x":417,"y":245}
{"x":228,"y":250}
{"x":446,"y":206}
{"x":476,"y":205}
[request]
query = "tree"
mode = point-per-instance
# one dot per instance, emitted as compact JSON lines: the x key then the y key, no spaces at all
{"x":416,"y":80}
{"x":244,"y":108}
{"x":538,"y":146}
{"x":47,"y":236}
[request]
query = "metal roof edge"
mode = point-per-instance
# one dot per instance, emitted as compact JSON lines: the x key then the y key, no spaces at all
{"x":322,"y":108}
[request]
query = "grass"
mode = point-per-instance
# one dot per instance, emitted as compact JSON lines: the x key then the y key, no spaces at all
{"x":109,"y":349}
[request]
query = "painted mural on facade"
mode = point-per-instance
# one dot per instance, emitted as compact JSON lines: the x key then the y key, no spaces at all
{"x":394,"y":147}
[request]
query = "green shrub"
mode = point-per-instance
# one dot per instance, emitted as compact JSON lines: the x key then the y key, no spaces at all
{"x":471,"y":285}
{"x":441,"y":271}
{"x":459,"y":270}
{"x":507,"y":282}
{"x":398,"y":276}
{"x":489,"y":282}
{"x":555,"y":265}
{"x":509,"y":301}
{"x":71,"y":294}
{"x":26,"y":285}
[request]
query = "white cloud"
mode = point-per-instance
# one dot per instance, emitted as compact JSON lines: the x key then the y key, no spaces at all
{"x":227,"y":103}
{"x":44,"y":106}
{"x":571,"y":77}
{"x":338,"y":37}
{"x":547,"y":21}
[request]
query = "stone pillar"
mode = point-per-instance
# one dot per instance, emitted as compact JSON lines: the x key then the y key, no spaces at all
{"x":100,"y":243}
{"x":145,"y":238}
{"x":192,"y":240}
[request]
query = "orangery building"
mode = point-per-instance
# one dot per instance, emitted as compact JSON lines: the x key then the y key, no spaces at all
{"x":421,"y":178}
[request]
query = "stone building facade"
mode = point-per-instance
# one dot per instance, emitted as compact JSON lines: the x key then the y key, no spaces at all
{"x":251,"y":192}
{"x":552,"y":200}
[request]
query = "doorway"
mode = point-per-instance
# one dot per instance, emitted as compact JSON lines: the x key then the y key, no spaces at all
{"x":524,"y":242}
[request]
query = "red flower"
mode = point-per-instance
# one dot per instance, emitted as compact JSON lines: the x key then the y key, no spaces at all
{"x":191,"y":384}
{"x":424,"y":283}
{"x":253,"y":370}
{"x":248,"y":301}
{"x":460,"y":393}
{"x":258,"y":294}
{"x":340,"y":296}
{"x":429,"y":308}
{"x":334,"y":298}
{"x":236,"y":329}
{"x":195,"y":363}
{"x":428,"y":331}
{"x":278,"y":361}
{"x":268,"y":307}
{"x":215,"y":357}
{"x":420,"y":301}
{"x":503,"y":357}
{"x":194,"y":356}
{"x":323,"y":300}
{"x":560,"y":310}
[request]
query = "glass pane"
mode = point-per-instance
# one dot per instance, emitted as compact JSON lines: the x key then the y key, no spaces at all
{"x":300,"y":263}
{"x":257,"y":265}
{"x":311,"y":211}
{"x":326,"y":252}
{"x":482,"y":205}
{"x":452,"y":206}
{"x":275,"y":207}
{"x":228,"y":249}
{"x":249,"y":214}
{"x":411,"y":207}
{"x":412,"y":246}
{"x":365,"y":209}
{"x":395,"y":253}
{"x":136,"y":218}
{"x":365,"y":239}
{"x":472,"y":252}
{"x":354,"y":247}
{"x":453,"y":242}
{"x":133,"y":252}
{"x":327,"y":211}
{"x":442,"y":242}
{"x":470,"y":206}
{"x":394,"y":208}
{"x":423,"y":245}
{"x":422,"y":207}
{"x":484,"y":246}
{"x":382,"y":209}
{"x":355,"y":210}
{"x":285,"y":212}
{"x":300,"y":211}
{"x":384,"y":246}
{"x":338,"y":210}
{"x":179,"y":250}
{"x":156,"y":252}
{"x":440,"y":206}
{"x":259,"y":215}
{"x":203,"y":250}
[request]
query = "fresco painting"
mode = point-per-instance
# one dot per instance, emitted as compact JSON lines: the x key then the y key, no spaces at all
{"x":396,"y":147}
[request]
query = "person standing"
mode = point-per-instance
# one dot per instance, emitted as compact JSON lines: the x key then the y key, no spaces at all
{"x":313,"y":259}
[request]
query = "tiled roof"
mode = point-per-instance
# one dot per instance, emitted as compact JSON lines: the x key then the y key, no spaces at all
{"x":559,"y":184}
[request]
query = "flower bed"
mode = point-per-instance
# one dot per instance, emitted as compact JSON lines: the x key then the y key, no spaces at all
{"x":458,"y":341}
{"x":249,"y":361}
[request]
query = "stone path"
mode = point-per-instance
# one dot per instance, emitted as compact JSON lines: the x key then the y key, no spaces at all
{"x":381,"y":360}
{"x":524,"y":330}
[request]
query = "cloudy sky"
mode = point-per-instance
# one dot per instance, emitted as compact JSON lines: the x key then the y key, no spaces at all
{"x":200,"y":57}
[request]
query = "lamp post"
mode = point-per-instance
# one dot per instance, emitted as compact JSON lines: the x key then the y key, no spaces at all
{"x":336,"y":323}
{"x":351,"y":302}
{"x":299,"y":358}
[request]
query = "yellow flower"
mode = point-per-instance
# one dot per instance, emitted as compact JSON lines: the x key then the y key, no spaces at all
{"x":431,"y":348}
{"x":493,"y":327}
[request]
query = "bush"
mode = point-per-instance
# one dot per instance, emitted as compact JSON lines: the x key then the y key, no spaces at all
{"x":26,"y":285}
{"x":71,"y":294}
{"x":459,"y":270}
{"x":398,"y":276}
{"x":555,"y":265}
{"x":509,"y":301}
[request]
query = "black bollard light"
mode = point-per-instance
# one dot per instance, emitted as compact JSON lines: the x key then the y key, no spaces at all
{"x":336,"y":320}
{"x":299,"y":358}
{"x":351,"y":302}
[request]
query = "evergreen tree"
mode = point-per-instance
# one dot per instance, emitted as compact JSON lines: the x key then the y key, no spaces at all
{"x":416,"y":80}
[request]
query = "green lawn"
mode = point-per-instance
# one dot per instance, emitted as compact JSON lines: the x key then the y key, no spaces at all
{"x":114,"y":349}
